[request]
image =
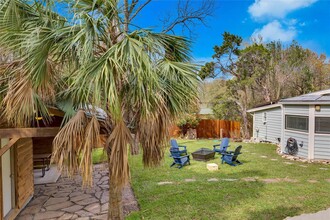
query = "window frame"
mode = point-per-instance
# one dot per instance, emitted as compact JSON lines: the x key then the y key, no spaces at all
{"x":320,"y":132}
{"x":297,"y":129}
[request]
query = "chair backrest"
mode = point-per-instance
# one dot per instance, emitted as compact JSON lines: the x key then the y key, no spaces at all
{"x":224,"y":144}
{"x":237,"y":152}
{"x":175,"y":153}
{"x":174,"y":144}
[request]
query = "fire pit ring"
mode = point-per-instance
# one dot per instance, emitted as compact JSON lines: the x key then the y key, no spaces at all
{"x":203,"y":154}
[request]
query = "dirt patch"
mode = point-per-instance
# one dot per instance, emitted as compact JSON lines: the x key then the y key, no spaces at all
{"x":164,"y":183}
{"x":249,"y":179}
{"x":313,"y":181}
{"x":190,"y":180}
{"x":213,"y":180}
{"x":277,"y":180}
{"x":289,"y":180}
{"x":229,"y":180}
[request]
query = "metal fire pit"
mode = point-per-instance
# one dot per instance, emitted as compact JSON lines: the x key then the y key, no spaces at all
{"x":203,"y":154}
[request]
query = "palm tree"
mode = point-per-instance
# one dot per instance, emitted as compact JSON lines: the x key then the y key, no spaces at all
{"x":102,"y":75}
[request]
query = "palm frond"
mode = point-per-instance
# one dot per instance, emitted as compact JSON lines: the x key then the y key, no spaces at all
{"x":91,"y":140}
{"x":21,"y":104}
{"x":153,"y":135}
{"x":118,"y":142}
{"x":68,"y":143}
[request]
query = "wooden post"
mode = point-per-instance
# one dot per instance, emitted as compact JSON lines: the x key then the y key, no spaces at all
{"x":8,"y":146}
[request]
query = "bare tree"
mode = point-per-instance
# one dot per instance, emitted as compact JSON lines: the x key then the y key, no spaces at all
{"x":188,"y":15}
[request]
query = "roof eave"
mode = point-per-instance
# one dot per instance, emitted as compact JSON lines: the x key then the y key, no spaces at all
{"x":264,"y":108}
{"x":305,"y":103}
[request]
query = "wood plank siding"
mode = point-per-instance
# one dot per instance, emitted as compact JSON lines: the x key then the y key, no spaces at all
{"x":24,"y":171}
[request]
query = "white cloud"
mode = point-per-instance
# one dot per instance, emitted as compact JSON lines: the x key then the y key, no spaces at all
{"x":276,"y":8}
{"x":290,"y":22}
{"x":275,"y":31}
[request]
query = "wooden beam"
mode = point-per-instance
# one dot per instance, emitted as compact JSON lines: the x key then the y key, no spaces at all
{"x":8,"y":146}
{"x":28,"y":132}
{"x":56,"y":112}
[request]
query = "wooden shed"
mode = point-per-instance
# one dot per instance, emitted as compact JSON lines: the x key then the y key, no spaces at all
{"x":305,"y":118}
{"x":16,"y":167}
{"x":17,"y":147}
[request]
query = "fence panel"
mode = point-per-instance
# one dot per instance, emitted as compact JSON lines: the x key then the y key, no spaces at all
{"x":208,"y":128}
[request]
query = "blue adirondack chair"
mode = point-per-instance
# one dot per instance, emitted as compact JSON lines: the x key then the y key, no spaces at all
{"x":231,"y":157}
{"x":179,"y":159}
{"x":223,"y":146}
{"x":176,"y":147}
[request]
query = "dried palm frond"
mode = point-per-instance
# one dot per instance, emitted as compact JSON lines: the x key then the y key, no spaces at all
{"x":92,"y":139}
{"x":118,"y":142}
{"x":22,"y":104}
{"x":68,"y":143}
{"x":153,"y":134}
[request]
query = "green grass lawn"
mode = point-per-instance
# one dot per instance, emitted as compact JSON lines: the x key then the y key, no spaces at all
{"x":99,"y":156}
{"x":223,"y":199}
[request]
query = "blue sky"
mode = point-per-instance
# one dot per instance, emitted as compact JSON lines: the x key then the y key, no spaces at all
{"x":306,"y":21}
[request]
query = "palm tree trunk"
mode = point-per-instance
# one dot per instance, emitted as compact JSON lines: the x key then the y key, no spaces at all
{"x":135,"y":150}
{"x":115,"y":209}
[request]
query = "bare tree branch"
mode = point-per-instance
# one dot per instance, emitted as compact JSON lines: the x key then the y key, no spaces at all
{"x":137,"y":10}
{"x":188,"y":16}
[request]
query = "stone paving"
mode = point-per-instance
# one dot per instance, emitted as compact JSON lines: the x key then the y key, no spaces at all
{"x":66,"y":199}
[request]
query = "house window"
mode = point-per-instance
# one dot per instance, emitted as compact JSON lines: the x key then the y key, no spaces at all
{"x":298,"y":123}
{"x":322,"y":125}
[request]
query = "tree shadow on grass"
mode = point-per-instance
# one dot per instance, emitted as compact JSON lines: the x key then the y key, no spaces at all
{"x":279,"y":212}
{"x":245,"y":174}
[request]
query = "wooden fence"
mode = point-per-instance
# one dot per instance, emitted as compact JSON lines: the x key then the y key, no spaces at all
{"x":208,"y":128}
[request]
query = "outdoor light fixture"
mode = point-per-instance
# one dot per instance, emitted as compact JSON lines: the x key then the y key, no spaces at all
{"x":317,"y":108}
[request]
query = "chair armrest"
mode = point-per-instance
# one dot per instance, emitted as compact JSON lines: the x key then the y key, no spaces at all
{"x":227,"y":153}
{"x":214,"y":146}
{"x":185,"y":147}
{"x":182,"y":156}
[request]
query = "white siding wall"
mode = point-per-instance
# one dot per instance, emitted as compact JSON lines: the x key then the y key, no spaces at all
{"x":271,"y":130}
{"x":301,"y":137}
{"x":325,"y":111}
{"x":322,"y":141}
{"x":322,"y":147}
{"x":296,"y":110}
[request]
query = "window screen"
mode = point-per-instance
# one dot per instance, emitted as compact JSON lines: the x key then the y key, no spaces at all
{"x":294,"y":122}
{"x":322,"y":125}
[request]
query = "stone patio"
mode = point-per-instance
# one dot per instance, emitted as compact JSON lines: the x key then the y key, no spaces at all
{"x":66,"y":199}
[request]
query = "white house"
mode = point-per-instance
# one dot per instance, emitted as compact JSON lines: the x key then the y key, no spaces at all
{"x":305,"y":118}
